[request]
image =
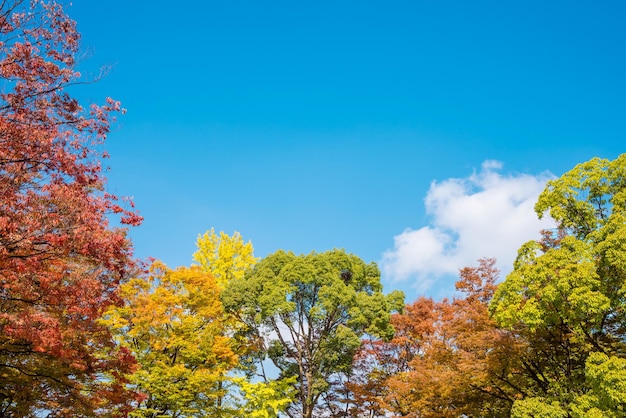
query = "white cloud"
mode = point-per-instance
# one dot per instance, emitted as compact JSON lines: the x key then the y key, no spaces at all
{"x":487,"y":214}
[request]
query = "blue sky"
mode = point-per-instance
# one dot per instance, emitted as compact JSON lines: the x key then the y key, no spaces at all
{"x":414,"y":134}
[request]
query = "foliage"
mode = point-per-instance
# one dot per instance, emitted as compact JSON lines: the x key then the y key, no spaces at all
{"x":60,"y":262}
{"x":312,"y":311}
{"x":172,"y":322}
{"x":537,"y":407}
{"x":225,"y":257}
{"x":447,"y":359}
{"x":547,"y":342}
{"x":566,"y":296}
{"x":606,"y":377}
{"x":266,"y":399}
{"x":378,"y":362}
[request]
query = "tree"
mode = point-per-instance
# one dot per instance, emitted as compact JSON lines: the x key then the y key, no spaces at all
{"x":60,"y":261}
{"x":226,"y":258}
{"x":566,"y":296}
{"x":312,"y":311}
{"x":447,"y":358}
{"x":378,"y":362}
{"x":265,"y":399}
{"x":173,"y":323}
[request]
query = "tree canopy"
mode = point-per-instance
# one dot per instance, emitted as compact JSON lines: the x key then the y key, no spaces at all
{"x":173,"y":324}
{"x":311,"y":310}
{"x":447,"y":358}
{"x":60,"y":260}
{"x":87,"y":330}
{"x":548,"y":341}
{"x":566,"y":296}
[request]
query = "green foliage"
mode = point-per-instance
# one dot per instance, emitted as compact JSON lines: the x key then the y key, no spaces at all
{"x":312,"y":310}
{"x":606,"y":378}
{"x":560,"y":285}
{"x":566,"y":297}
{"x":583,"y":200}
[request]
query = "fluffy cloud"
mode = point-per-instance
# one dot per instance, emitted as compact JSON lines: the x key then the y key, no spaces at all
{"x":487,"y":214}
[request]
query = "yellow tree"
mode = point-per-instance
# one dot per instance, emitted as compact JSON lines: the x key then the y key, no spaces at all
{"x":172,"y":321}
{"x":227,"y":258}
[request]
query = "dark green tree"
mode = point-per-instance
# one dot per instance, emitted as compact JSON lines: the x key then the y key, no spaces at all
{"x":311,"y":312}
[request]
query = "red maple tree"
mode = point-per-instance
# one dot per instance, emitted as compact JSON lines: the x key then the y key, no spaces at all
{"x":60,"y":260}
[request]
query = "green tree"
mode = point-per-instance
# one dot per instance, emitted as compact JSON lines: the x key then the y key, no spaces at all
{"x":567,"y":296}
{"x":173,"y":323}
{"x":312,"y":311}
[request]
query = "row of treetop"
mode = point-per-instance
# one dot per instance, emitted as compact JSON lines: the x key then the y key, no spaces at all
{"x":87,"y":330}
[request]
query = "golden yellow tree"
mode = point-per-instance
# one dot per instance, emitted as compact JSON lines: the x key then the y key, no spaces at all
{"x":225,"y":257}
{"x":172,"y":322}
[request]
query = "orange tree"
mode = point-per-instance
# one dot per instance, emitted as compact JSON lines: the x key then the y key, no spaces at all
{"x":447,"y":358}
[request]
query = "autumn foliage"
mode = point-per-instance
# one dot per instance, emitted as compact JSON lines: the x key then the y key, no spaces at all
{"x":172,"y":322}
{"x":447,"y":358}
{"x":548,"y":341}
{"x":85,"y":331}
{"x":60,"y":261}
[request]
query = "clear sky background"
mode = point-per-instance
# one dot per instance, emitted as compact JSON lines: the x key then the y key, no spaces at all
{"x":416,"y":134}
